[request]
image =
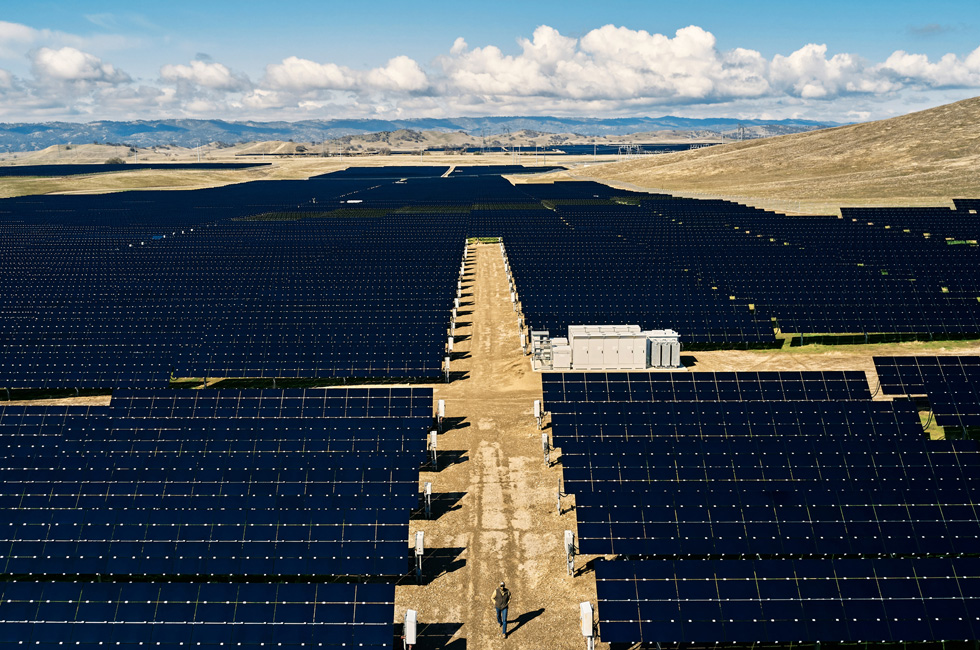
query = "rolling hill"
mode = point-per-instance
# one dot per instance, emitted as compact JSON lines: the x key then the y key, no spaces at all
{"x":923,"y":158}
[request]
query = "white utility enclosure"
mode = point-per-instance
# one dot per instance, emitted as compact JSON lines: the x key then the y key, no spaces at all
{"x":606,"y":347}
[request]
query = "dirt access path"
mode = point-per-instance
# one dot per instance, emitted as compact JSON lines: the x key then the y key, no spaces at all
{"x":494,"y":500}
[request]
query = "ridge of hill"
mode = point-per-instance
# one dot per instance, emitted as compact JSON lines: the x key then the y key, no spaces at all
{"x":923,"y":158}
{"x":194,"y":133}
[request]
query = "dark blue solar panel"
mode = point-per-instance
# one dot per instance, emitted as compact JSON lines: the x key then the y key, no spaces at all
{"x":747,"y":601}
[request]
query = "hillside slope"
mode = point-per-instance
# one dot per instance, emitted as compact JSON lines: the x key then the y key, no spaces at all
{"x":921,"y":158}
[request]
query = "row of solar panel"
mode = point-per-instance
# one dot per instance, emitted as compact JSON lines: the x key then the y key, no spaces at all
{"x":166,"y":614}
{"x":638,"y":421}
{"x":703,"y":387}
{"x":747,"y":601}
{"x":379,"y":558}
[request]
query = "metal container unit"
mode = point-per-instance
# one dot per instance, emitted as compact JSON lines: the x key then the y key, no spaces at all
{"x":606,"y":347}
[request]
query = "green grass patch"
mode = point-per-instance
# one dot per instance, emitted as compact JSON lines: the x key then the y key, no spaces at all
{"x":530,"y":205}
{"x":627,"y":200}
{"x":296,"y":216}
{"x":433,"y":209}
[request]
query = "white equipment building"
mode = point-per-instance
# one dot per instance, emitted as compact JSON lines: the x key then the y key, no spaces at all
{"x":606,"y":347}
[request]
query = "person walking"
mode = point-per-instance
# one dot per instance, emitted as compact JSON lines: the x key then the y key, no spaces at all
{"x":501,"y":600}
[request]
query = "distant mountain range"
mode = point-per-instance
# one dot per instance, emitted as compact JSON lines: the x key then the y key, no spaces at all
{"x":191,"y":133}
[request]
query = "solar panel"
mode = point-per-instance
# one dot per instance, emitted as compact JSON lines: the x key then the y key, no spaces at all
{"x":775,"y":519}
{"x":233,"y":483}
{"x":611,"y":421}
{"x":559,"y":388}
{"x":950,"y":382}
{"x":49,"y":614}
{"x":909,"y":375}
{"x":752,"y":601}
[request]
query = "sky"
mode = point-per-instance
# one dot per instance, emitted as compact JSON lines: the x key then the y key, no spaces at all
{"x":840,"y":61}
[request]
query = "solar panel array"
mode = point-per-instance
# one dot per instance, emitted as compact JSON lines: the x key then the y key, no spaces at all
{"x":752,"y":601}
{"x":199,"y":614}
{"x":258,"y":280}
{"x":352,"y":274}
{"x":626,"y":257}
{"x":165,"y":489}
{"x":767,"y":519}
{"x":952,"y":384}
{"x":957,"y":225}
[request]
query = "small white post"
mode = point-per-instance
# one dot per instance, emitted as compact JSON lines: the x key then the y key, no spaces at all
{"x":446,"y":361}
{"x":570,"y":551}
{"x":440,"y":412}
{"x":411,"y":623}
{"x":428,"y":500}
{"x":523,"y":342}
{"x":546,"y":448}
{"x":433,"y":443}
{"x":419,"y":550}
{"x":588,"y":625}
{"x":538,"y":414}
{"x":456,"y":303}
{"x":449,"y":345}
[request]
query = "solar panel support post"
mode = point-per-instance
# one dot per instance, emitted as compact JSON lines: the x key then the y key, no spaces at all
{"x":419,"y":550}
{"x":428,"y":500}
{"x":538,"y":414}
{"x":440,"y":412}
{"x":449,"y":346}
{"x":524,"y":345}
{"x":570,"y":552}
{"x":546,"y":448}
{"x":446,"y":362}
{"x":588,"y":625}
{"x":410,"y":629}
{"x":433,"y":443}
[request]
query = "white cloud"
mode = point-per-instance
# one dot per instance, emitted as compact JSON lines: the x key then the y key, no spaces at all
{"x":215,"y":76}
{"x":608,"y":71}
{"x":15,"y":38}
{"x":400,"y":74}
{"x":948,"y":72}
{"x":610,"y":63}
{"x":71,"y":65}
{"x":302,"y":75}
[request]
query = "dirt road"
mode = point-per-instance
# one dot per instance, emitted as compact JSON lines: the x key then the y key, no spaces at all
{"x":495,"y":515}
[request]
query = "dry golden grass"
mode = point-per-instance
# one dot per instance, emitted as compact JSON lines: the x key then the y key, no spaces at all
{"x":279,"y":169}
{"x":924,"y":158}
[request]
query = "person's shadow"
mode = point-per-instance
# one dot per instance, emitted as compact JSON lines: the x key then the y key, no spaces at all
{"x":524,"y":618}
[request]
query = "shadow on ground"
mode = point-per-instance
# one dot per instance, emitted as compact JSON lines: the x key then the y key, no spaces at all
{"x":432,"y":635}
{"x":442,"y":503}
{"x":444,"y":459}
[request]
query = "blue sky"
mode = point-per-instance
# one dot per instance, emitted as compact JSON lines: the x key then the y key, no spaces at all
{"x":841,"y":61}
